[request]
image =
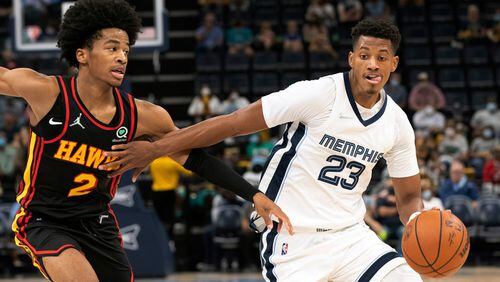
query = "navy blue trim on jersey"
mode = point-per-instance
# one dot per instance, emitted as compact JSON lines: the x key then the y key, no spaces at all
{"x":377,"y":265}
{"x":277,"y":148}
{"x":268,"y":265}
{"x":279,"y":175}
{"x":355,"y":108}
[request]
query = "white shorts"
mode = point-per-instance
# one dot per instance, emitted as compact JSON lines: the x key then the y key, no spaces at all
{"x":351,"y":254}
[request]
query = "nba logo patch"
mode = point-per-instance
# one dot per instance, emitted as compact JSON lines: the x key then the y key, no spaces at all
{"x":284,"y":249}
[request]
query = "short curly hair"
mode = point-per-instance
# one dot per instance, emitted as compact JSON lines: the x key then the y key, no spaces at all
{"x":378,"y":28}
{"x":83,"y":22}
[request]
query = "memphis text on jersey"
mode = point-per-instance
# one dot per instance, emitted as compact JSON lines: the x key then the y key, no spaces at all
{"x":350,"y":148}
{"x":82,"y":154}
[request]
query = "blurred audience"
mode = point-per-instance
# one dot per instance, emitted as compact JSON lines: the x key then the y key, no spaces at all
{"x":491,"y":173}
{"x":489,"y":116}
{"x":316,"y":34}
{"x":209,"y":36}
{"x":427,"y":119}
{"x":425,"y":93}
{"x":396,"y":90}
{"x":322,"y":11}
{"x":474,"y":28}
{"x":204,"y":105}
{"x":233,"y":103}
{"x":292,"y":39}
{"x":265,"y":39}
{"x":376,"y":9}
{"x":239,"y":38}
{"x":458,"y":184}
{"x":429,"y":193}
{"x":454,"y":144}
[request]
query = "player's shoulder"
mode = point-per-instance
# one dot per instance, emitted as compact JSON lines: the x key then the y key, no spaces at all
{"x":321,"y":86}
{"x":396,"y":112}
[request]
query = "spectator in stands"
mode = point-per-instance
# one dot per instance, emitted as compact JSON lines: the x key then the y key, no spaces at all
{"x":209,"y":35}
{"x":481,"y":148}
{"x":494,"y":32}
{"x":239,"y":9}
{"x":482,"y":144}
{"x":239,"y":38}
{"x":428,"y":193}
{"x":428,"y":119}
{"x":396,"y":90}
{"x":316,"y":34}
{"x":376,"y":9}
{"x":454,"y":144}
{"x":265,"y":40}
{"x":15,"y":106}
{"x":350,"y":11}
{"x":322,"y":11}
{"x":370,"y":218}
{"x":166,"y":173}
{"x":458,"y":184}
{"x":489,"y":116}
{"x":387,"y":212}
{"x":426,"y":93}
{"x":491,"y":173}
{"x":253,"y":174}
{"x":292,"y":39}
{"x":474,"y":28}
{"x":8,"y":161}
{"x":204,"y":105}
{"x":10,"y":126}
{"x":233,"y":102}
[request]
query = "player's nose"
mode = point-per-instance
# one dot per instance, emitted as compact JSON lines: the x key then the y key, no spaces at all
{"x":373,"y":64}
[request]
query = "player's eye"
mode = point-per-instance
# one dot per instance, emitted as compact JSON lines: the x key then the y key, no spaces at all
{"x":382,"y":58}
{"x":363,"y":56}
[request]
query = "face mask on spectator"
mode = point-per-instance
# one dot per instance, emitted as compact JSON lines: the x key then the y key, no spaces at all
{"x":449,"y":132}
{"x":488,"y":133}
{"x":428,"y":110}
{"x":491,"y":106}
{"x":427,"y":195}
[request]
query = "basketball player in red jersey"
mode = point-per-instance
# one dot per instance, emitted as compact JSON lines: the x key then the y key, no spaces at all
{"x":65,"y":222}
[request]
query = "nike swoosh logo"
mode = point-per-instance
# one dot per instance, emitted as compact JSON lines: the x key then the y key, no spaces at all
{"x":53,"y":122}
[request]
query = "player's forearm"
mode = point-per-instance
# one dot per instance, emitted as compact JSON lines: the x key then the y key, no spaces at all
{"x":408,"y":205}
{"x":203,"y":134}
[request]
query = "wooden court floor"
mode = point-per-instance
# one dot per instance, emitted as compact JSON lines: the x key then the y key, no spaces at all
{"x":468,"y":274}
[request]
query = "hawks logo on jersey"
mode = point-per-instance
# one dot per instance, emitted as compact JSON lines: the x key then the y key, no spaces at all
{"x":81,"y":154}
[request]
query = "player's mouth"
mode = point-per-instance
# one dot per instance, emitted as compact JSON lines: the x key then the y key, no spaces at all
{"x":118,"y":73}
{"x":373,"y":78}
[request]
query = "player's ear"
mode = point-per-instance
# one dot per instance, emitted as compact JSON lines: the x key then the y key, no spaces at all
{"x":82,"y":55}
{"x":395,"y":62}
{"x":350,"y":58}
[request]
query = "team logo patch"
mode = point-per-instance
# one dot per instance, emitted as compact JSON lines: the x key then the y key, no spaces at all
{"x":284,"y":249}
{"x":122,"y":132}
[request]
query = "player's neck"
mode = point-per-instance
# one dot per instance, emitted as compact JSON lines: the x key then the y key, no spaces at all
{"x":93,"y":92}
{"x":363,"y":98}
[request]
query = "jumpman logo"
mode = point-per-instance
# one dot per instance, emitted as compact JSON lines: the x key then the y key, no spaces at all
{"x":78,"y":122}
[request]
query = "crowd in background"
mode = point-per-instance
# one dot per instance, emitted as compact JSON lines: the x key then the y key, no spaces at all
{"x":458,"y":150}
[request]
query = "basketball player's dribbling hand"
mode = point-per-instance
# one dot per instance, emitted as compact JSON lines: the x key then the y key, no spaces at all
{"x":267,"y":208}
{"x":135,"y":155}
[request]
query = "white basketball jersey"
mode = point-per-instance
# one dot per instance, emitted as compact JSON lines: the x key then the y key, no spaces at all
{"x":319,"y":169}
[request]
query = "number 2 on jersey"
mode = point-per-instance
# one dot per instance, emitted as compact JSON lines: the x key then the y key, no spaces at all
{"x":88,"y":181}
{"x":356,"y":170}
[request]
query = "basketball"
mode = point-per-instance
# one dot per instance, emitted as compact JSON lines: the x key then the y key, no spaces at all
{"x":435,"y":243}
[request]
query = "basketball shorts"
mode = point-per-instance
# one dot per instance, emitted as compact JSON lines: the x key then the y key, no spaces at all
{"x":351,"y":254}
{"x":97,"y":238}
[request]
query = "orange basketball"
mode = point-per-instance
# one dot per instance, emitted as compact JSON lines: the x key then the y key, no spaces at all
{"x":435,"y":243}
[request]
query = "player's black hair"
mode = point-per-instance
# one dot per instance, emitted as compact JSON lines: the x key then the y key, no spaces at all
{"x":84,"y":20}
{"x":378,"y":28}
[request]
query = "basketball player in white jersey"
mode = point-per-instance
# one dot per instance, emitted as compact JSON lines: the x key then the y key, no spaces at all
{"x":337,"y":128}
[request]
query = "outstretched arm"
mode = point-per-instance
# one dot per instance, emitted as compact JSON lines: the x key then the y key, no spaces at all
{"x":154,"y":122}
{"x":203,"y":134}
